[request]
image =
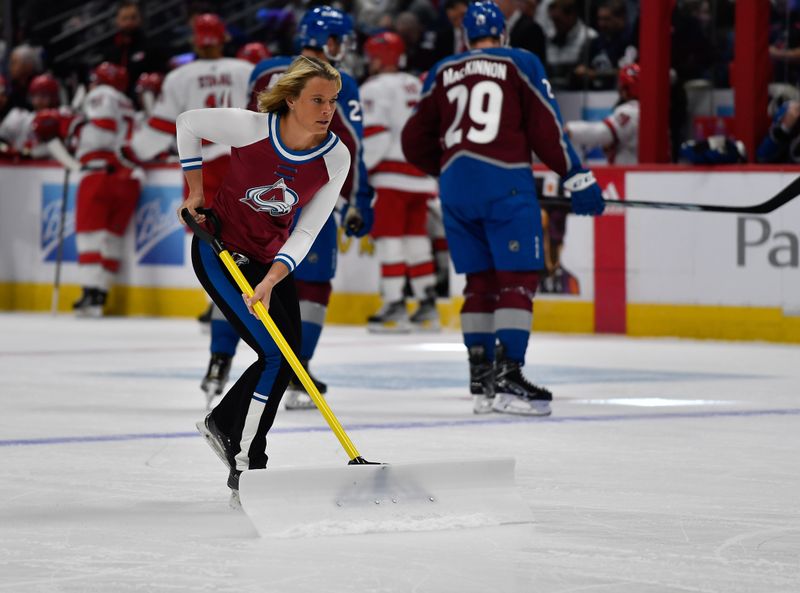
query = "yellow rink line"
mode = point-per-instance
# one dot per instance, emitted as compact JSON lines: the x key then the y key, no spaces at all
{"x":551,"y":315}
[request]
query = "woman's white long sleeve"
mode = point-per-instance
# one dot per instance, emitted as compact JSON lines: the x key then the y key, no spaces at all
{"x":232,"y":127}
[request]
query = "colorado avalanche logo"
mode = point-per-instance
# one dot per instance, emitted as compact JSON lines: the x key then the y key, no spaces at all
{"x":275,"y":199}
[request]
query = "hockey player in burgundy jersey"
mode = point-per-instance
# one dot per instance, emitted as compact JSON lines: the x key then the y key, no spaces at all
{"x":282,"y":159}
{"x":481,"y":115}
{"x":324,"y":33}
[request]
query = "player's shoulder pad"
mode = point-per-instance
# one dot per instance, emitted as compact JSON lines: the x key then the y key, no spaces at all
{"x":349,"y":87}
{"x":528,"y":63}
{"x":270,"y":64}
{"x":436,"y":69}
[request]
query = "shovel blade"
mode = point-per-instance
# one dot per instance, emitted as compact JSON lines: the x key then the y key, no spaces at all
{"x":427,"y":496}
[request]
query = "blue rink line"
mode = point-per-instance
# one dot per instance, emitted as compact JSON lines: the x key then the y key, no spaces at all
{"x":417,"y":425}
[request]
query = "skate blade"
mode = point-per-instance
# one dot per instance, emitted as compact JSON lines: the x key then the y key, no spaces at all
{"x":235,"y":502}
{"x":210,"y":392}
{"x":212,"y":442}
{"x":298,"y":400}
{"x":89,"y":313}
{"x":389,"y":328}
{"x":360,"y":499}
{"x":482,"y":405}
{"x":429,"y":327}
{"x":535,"y":408}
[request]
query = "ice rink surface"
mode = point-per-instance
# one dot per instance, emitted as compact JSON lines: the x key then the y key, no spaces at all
{"x":667,"y":466}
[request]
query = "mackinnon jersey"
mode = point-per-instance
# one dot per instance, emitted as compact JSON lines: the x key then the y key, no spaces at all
{"x":346,"y":122}
{"x":203,"y":83}
{"x":388,"y":101}
{"x":266,"y":183}
{"x":481,"y":115}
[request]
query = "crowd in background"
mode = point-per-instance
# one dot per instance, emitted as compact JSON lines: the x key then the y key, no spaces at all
{"x":582,"y":43}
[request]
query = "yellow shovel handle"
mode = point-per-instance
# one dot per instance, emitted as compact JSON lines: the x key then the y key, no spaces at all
{"x":291,"y":358}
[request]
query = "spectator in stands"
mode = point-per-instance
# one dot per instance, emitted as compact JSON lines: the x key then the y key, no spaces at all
{"x":523,"y":31}
{"x":614,"y":46}
{"x":569,"y":45}
{"x":450,"y":38}
{"x":4,"y":106}
{"x":781,"y":144}
{"x":420,"y":56}
{"x":693,"y":52}
{"x":25,"y":63}
{"x":784,"y":48}
{"x":130,"y":48}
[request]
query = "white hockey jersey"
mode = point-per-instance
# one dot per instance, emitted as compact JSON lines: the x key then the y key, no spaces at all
{"x":202,"y":83}
{"x":107,"y":123}
{"x":618,"y":134}
{"x":16,"y":130}
{"x":387,"y":101}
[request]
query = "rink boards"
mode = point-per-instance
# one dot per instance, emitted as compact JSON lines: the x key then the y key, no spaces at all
{"x":638,"y":271}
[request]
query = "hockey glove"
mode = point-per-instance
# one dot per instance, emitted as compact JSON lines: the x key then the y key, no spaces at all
{"x":587,"y":198}
{"x":358,"y":219}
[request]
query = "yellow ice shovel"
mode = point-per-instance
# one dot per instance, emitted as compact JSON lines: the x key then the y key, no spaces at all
{"x":274,"y":332}
{"x":370,"y":497}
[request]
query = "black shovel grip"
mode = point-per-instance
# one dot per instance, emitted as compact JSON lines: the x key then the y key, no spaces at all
{"x":200,"y":232}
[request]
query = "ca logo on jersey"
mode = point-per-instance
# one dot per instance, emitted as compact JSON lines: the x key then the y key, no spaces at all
{"x":276,"y":199}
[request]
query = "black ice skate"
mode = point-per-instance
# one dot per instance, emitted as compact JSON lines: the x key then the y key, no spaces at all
{"x":296,"y":397}
{"x":426,"y":317}
{"x":219,"y":367}
{"x":391,"y":318}
{"x":219,"y":443}
{"x":514,"y":393}
{"x":91,"y":303}
{"x":481,"y":380}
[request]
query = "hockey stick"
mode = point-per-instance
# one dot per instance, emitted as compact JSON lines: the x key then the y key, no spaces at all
{"x":274,"y":332}
{"x":62,"y":221}
{"x":787,"y":194}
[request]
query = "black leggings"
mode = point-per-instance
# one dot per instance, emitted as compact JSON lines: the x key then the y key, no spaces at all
{"x":247,"y":411}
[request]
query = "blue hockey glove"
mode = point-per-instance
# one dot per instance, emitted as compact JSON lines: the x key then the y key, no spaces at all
{"x":358,"y":219}
{"x":587,"y":198}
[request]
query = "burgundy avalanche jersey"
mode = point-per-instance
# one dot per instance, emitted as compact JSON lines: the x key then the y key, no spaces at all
{"x":267,"y":182}
{"x":481,"y":116}
{"x":346,"y":122}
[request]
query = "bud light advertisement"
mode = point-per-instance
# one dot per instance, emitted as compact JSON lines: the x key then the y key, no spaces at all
{"x":159,"y":234}
{"x":52,"y":197}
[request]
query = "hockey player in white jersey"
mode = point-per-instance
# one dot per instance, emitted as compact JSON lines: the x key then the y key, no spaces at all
{"x":209,"y":81}
{"x":17,"y":136}
{"x":618,"y":134}
{"x":109,"y":186}
{"x":402,"y":245}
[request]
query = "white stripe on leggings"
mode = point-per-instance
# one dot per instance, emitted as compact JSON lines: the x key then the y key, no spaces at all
{"x":254,"y":412}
